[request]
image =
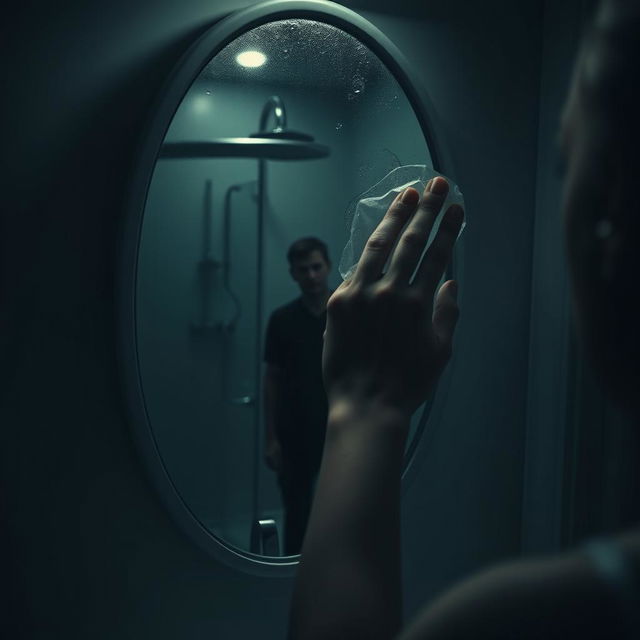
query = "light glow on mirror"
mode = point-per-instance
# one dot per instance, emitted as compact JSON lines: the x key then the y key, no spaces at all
{"x":251,"y":59}
{"x":201,"y":104}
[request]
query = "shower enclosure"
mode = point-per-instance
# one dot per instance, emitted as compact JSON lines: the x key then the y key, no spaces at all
{"x":277,"y":142}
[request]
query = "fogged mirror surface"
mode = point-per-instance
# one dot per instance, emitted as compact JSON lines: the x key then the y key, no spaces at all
{"x":221,"y":214}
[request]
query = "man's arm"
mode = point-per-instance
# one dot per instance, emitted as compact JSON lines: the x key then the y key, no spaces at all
{"x":271,"y":388}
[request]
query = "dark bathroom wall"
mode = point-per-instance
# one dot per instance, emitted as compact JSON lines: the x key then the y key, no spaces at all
{"x":551,"y":358}
{"x":481,"y":66}
{"x":90,"y":551}
{"x":581,"y":478}
{"x":602,"y":489}
{"x":87,"y":549}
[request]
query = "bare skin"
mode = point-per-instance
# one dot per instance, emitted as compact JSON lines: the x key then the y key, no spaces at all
{"x":375,"y":379}
{"x":386,"y":343}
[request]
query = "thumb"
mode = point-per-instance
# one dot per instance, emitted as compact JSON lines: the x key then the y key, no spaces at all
{"x":446,"y":312}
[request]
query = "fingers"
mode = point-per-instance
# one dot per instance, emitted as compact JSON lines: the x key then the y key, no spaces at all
{"x":411,"y":244}
{"x":445,"y":314}
{"x":414,"y":239}
{"x":438,"y":254}
{"x":383,"y":239}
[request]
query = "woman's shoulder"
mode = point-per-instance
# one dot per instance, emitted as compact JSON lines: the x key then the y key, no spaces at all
{"x":629,"y":542}
{"x":562,"y":596}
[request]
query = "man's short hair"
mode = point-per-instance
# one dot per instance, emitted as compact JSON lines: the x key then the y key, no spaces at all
{"x":301,"y":248}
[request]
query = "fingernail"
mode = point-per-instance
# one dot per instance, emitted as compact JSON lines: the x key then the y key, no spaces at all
{"x":409,"y":196}
{"x":438,"y":186}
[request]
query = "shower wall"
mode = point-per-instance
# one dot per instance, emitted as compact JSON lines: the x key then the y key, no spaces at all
{"x":194,"y":376}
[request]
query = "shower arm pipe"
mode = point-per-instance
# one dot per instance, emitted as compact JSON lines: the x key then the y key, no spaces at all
{"x":226,"y":258}
{"x":226,"y":233}
{"x":206,"y":222}
{"x":274,"y":105}
{"x":262,"y":205}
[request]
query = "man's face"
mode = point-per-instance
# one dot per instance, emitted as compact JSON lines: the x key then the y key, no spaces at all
{"x":311,"y":273}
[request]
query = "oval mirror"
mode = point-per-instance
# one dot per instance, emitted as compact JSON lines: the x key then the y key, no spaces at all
{"x":277,"y":119}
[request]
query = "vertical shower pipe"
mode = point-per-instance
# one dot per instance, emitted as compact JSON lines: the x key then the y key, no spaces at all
{"x":273,"y":105}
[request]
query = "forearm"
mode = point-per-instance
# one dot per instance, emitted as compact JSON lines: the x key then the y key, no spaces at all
{"x":349,"y":578}
{"x":270,"y":392}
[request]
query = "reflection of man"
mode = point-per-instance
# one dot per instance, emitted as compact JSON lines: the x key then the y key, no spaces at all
{"x":294,"y":397}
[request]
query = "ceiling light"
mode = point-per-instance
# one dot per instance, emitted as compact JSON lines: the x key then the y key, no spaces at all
{"x":251,"y":59}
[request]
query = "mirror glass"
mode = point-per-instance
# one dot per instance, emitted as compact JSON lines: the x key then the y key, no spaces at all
{"x":328,"y":121}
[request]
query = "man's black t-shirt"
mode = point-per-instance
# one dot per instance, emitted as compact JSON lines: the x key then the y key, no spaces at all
{"x":293,"y":343}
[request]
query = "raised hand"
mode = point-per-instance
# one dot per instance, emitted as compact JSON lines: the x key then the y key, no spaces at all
{"x":387,"y":340}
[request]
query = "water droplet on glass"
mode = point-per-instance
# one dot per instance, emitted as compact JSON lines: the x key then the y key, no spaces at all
{"x":208,"y":92}
{"x":339,"y":126}
{"x":358,"y":84}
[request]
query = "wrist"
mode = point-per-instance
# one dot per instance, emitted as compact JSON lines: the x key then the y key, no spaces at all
{"x":372,"y":436}
{"x":371,"y":414}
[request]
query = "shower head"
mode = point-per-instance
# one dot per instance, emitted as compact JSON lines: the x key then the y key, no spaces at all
{"x":279,"y":144}
{"x":265,"y":146}
{"x":283,"y":134}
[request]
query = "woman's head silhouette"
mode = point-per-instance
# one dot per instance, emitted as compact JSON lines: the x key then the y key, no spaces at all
{"x":600,"y":140}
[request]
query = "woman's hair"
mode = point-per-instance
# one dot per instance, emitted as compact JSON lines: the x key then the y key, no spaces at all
{"x":609,"y":79}
{"x":611,"y":71}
